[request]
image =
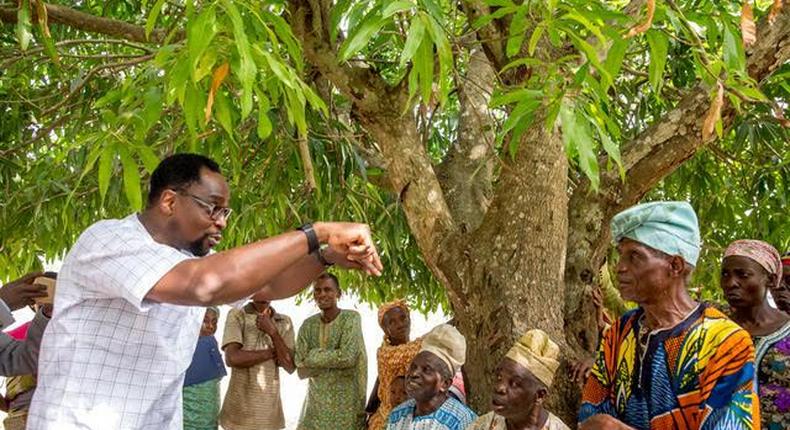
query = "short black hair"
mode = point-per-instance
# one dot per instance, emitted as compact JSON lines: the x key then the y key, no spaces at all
{"x":327,"y":275}
{"x":178,"y":171}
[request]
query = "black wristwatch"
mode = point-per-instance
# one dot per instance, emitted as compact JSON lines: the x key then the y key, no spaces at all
{"x":312,"y":238}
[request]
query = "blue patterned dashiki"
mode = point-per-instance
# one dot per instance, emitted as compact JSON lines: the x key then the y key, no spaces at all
{"x":452,"y":415}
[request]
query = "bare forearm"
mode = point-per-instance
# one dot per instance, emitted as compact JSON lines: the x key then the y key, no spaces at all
{"x":283,"y":354}
{"x":230,"y":275}
{"x":292,"y":280}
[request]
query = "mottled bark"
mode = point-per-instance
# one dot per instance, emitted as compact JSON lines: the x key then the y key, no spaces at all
{"x":467,"y":172}
{"x":511,"y":268}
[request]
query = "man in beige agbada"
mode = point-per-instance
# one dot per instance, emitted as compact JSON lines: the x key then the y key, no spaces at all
{"x":258,"y":342}
{"x":523,"y":379}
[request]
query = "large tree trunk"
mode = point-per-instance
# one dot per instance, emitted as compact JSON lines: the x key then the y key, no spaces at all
{"x":531,"y":258}
{"x":509,"y":271}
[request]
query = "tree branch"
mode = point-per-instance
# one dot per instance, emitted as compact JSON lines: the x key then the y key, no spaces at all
{"x":379,"y":108}
{"x":466,"y":174}
{"x":89,"y":23}
{"x":491,"y":36}
{"x":663,"y":146}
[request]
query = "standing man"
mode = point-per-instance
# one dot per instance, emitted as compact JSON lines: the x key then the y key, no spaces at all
{"x":330,"y":351}
{"x":132,"y":293}
{"x":672,"y":362}
{"x":257,"y":342}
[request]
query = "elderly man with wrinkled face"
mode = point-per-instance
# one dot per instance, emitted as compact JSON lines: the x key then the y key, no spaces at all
{"x":521,"y":387}
{"x":672,"y":362}
{"x":132,"y":293}
{"x":428,"y":381}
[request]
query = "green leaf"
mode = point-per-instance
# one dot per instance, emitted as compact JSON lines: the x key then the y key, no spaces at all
{"x":194,"y":106}
{"x":148,"y":157}
{"x":131,"y":179}
{"x":369,"y":26}
{"x":445,"y":56}
{"x":535,"y":38}
{"x":223,"y":112}
{"x":315,"y":101}
{"x":413,"y":40}
{"x":589,"y":52}
{"x":611,"y":148}
{"x":734,"y":56}
{"x":659,"y":47}
{"x":246,"y":71}
{"x":433,"y":9}
{"x":577,"y":138}
{"x":200,"y":33}
{"x":152,"y":17}
{"x":395,"y":7}
{"x":517,"y":31}
{"x":23,"y":33}
{"x":423,"y":62}
{"x":105,"y":168}
{"x":499,"y":13}
{"x":285,"y":34}
{"x":594,"y":29}
{"x":283,"y":73}
{"x":614,"y":61}
{"x":515,"y":96}
{"x":264,"y":128}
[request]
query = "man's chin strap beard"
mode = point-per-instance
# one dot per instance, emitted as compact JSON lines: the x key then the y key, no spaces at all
{"x":196,"y":248}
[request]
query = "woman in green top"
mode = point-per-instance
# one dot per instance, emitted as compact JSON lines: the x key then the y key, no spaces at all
{"x":330,"y":351}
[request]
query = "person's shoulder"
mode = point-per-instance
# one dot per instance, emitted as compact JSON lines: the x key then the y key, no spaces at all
{"x":350,"y":313}
{"x":714,"y":329}
{"x":714,"y":319}
{"x":235,"y":313}
{"x":282,"y":317}
{"x":127,"y":225}
{"x":484,"y":422}
{"x":312,"y":319}
{"x":555,"y":423}
{"x":403,"y":409}
{"x":461,"y":408}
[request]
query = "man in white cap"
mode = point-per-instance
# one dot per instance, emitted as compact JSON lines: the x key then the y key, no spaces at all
{"x":672,"y":363}
{"x":428,"y":381}
{"x":523,"y":379}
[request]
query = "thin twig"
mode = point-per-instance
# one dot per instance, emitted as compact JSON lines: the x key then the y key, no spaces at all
{"x":90,"y":74}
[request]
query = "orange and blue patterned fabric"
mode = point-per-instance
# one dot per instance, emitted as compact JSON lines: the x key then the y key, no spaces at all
{"x":697,"y":375}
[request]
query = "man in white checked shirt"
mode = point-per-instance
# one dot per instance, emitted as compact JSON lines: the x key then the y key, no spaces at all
{"x":131,"y":293}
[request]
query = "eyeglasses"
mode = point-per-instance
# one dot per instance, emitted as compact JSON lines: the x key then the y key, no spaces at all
{"x":213,"y":211}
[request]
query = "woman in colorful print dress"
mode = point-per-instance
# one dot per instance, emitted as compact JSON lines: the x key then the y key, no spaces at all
{"x":749,"y":269}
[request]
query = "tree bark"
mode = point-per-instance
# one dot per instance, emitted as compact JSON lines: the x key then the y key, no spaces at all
{"x":510,"y":269}
{"x":467,"y":172}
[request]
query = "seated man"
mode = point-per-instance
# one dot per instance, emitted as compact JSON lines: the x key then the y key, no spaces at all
{"x":672,"y":363}
{"x":523,"y":378}
{"x":428,"y":381}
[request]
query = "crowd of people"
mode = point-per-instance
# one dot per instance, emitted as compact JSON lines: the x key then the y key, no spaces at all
{"x":130,"y":342}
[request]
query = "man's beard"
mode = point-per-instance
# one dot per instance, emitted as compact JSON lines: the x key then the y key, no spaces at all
{"x":196,"y":248}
